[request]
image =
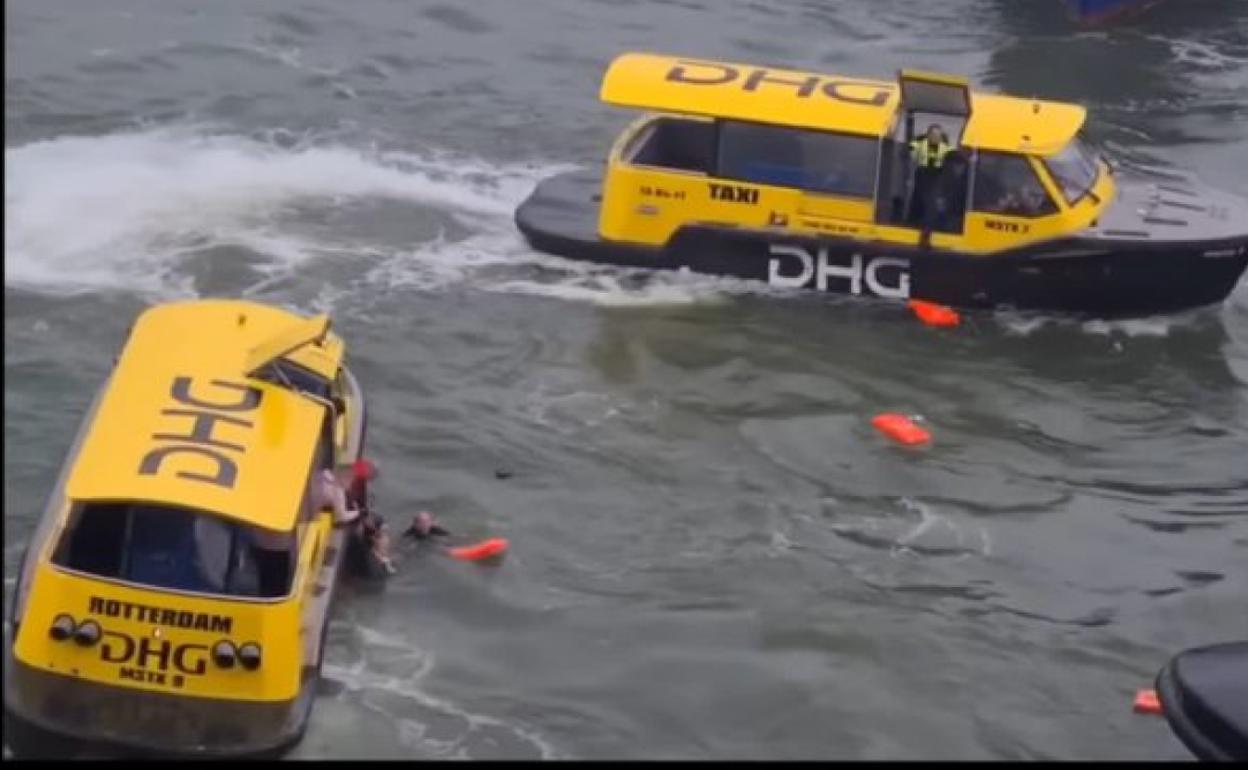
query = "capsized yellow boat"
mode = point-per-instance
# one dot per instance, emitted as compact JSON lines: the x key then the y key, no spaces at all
{"x":808,"y":180}
{"x":175,"y":596}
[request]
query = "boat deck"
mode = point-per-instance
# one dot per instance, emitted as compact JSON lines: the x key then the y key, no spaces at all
{"x":561,"y":217}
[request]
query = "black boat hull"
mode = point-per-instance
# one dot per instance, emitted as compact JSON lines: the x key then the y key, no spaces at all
{"x":1204,"y":695}
{"x":1103,"y":277}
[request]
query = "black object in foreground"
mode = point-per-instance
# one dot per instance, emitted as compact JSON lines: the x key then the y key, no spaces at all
{"x":1204,"y":697}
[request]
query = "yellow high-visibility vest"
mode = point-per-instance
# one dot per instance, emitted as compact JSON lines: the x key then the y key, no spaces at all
{"x":925,"y":156}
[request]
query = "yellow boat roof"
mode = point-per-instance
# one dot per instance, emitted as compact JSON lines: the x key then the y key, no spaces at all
{"x":739,"y":91}
{"x":822,"y":102}
{"x":1009,"y":124}
{"x":181,"y":424}
{"x":288,"y":342}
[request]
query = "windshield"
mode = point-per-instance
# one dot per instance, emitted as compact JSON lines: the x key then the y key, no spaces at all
{"x":1074,"y":169}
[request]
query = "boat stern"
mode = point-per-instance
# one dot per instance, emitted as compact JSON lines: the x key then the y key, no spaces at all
{"x":91,"y":663}
{"x":52,"y":714}
{"x":561,"y":217}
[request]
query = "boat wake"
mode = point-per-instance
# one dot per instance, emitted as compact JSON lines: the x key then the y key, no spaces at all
{"x":385,"y":678}
{"x":1017,"y":324}
{"x":316,"y":224}
{"x":933,"y":535}
{"x":182,"y":212}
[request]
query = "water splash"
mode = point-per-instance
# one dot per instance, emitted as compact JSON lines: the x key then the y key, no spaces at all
{"x":151,"y":211}
{"x":120,"y":211}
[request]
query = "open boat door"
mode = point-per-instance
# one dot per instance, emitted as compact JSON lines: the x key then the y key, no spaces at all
{"x":930,"y":93}
{"x":311,"y":330}
{"x":933,"y":92}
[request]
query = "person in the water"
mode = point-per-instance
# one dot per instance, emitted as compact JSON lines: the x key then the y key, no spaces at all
{"x":424,"y":527}
{"x":373,"y":534}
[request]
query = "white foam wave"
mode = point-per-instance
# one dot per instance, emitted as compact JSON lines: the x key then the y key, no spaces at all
{"x":1200,"y":54}
{"x":929,"y":522}
{"x":376,"y":638}
{"x":441,"y":260}
{"x":613,"y":287}
{"x":120,"y":211}
{"x":1025,"y":325}
{"x":1156,"y":326}
{"x":495,"y":244}
{"x":359,"y":679}
{"x":144,"y":211}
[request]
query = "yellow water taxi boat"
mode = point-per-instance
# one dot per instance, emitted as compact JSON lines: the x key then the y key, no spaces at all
{"x":807,"y":180}
{"x":175,"y":596}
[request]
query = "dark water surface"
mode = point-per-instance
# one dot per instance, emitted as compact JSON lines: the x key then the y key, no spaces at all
{"x":713,"y":555}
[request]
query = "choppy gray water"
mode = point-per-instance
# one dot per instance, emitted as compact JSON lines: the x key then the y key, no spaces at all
{"x":712,"y":553}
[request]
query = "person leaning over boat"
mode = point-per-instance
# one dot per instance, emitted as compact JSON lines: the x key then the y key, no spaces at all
{"x":370,"y":539}
{"x":928,"y":155}
{"x":372,"y":536}
{"x":328,"y":492}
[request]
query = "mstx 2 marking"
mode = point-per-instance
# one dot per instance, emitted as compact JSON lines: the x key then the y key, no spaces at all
{"x":1006,"y":227}
{"x":795,"y":267}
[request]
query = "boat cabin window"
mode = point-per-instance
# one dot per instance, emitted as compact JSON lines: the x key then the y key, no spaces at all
{"x":288,"y":374}
{"x":1007,"y":184}
{"x":685,"y":145}
{"x":162,"y":546}
{"x":816,"y":161}
{"x":1074,"y":169}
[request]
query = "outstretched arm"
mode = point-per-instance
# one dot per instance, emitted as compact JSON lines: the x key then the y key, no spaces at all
{"x":336,"y":496}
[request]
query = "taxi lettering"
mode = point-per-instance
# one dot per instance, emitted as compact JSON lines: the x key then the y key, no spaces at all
{"x":733,"y":193}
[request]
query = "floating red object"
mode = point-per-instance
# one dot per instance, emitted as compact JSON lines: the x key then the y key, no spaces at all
{"x":1147,"y":702}
{"x":934,"y":315}
{"x":486,"y":549}
{"x":901,"y":429}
